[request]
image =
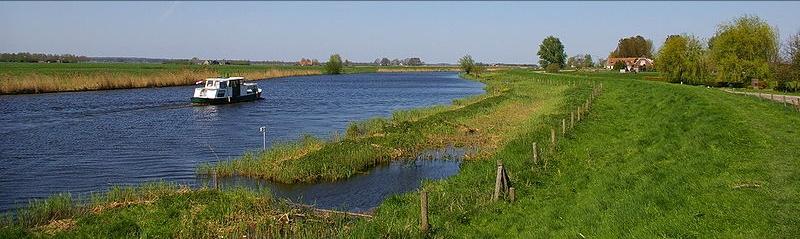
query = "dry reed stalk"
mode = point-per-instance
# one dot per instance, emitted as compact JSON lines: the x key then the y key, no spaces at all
{"x":40,"y":83}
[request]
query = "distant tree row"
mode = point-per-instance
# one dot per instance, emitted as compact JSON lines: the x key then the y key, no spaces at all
{"x":39,"y":57}
{"x":741,"y":51}
{"x":580,"y":61}
{"x":412,"y":61}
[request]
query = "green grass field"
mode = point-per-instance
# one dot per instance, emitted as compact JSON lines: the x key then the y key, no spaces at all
{"x":650,"y":159}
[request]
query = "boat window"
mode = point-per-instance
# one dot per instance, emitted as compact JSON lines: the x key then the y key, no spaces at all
{"x":223,"y":85}
{"x":210,"y":83}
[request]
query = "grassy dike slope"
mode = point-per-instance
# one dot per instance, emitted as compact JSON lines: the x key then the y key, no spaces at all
{"x":652,"y":160}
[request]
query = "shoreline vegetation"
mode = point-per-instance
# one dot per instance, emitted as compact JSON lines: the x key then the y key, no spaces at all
{"x":646,"y":159}
{"x":33,"y":78}
{"x":484,"y":122}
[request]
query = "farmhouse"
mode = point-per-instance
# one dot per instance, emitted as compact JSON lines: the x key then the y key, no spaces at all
{"x":634,"y":64}
{"x":305,"y":62}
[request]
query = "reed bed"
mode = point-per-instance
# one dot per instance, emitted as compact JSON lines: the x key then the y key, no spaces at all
{"x":76,"y":81}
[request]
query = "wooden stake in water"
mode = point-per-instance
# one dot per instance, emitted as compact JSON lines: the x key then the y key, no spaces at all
{"x":214,"y":180}
{"x":263,"y":130}
{"x":423,"y":216}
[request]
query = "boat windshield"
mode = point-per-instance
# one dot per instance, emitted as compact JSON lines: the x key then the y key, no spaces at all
{"x":209,"y":83}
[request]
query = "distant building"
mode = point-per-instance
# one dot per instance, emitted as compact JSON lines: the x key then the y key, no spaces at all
{"x":305,"y":62}
{"x":634,"y":64}
{"x":211,"y":62}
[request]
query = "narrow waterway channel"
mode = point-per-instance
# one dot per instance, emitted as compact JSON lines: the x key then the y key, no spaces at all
{"x":84,"y":142}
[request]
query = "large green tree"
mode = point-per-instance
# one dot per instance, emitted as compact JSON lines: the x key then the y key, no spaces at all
{"x":334,"y":64}
{"x":742,"y":50}
{"x":551,"y":51}
{"x":636,"y":46}
{"x":683,"y":58}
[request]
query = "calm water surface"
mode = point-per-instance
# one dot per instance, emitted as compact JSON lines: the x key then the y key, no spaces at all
{"x":87,"y":141}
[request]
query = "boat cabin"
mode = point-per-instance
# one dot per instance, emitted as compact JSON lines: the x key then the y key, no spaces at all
{"x":232,"y":89}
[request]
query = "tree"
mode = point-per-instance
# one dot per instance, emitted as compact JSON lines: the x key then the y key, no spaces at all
{"x":334,"y":65}
{"x":580,"y":61}
{"x":551,"y":51}
{"x":670,"y":58}
{"x":636,"y":46}
{"x":385,"y":61}
{"x":601,"y":62}
{"x":587,"y":61}
{"x":683,"y":58}
{"x":466,"y":63}
{"x":787,"y":69}
{"x":743,"y":49}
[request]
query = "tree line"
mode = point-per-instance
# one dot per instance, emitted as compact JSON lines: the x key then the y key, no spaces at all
{"x":741,"y":52}
{"x":39,"y":57}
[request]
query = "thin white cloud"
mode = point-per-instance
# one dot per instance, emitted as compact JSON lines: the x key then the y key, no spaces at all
{"x":169,"y":11}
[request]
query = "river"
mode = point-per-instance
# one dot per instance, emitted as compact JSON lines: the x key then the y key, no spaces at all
{"x":83,"y":142}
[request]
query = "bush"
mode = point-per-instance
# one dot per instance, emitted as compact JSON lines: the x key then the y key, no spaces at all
{"x":619,"y":65}
{"x":334,"y":65}
{"x":552,"y":68}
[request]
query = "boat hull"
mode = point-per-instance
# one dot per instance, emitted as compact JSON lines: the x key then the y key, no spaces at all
{"x":226,"y":100}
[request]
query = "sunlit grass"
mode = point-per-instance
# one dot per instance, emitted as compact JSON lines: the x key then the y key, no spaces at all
{"x":164,"y":210}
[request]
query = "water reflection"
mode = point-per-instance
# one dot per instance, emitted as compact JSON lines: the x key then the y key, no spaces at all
{"x":364,"y":192}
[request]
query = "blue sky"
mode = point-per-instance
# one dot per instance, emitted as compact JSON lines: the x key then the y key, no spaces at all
{"x":361,"y":31}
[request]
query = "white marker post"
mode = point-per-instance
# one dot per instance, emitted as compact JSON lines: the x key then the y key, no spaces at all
{"x":263,"y":130}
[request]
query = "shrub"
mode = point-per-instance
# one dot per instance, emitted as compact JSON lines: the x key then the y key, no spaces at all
{"x":552,"y":68}
{"x":334,"y":65}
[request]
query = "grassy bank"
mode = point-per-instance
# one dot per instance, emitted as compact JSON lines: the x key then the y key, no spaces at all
{"x":21,"y":78}
{"x":485,"y":122}
{"x":162,"y":210}
{"x":652,"y":160}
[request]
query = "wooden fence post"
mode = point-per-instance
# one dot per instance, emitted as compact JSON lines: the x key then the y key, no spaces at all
{"x":535,"y":154}
{"x":571,"y":120}
{"x":498,"y":181}
{"x":512,"y":194}
{"x":563,"y":127}
{"x":553,"y":137}
{"x":784,"y":100}
{"x":423,"y":205}
{"x":579,"y":114}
